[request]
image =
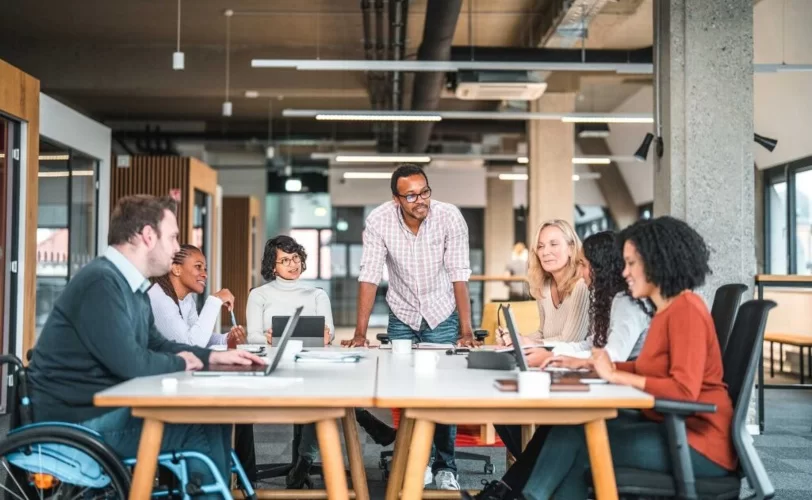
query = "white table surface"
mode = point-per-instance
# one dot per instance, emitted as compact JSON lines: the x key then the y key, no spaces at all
{"x":453,"y":385}
{"x":291,"y":384}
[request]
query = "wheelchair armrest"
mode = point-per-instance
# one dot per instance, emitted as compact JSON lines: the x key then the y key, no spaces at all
{"x":480,"y":335}
{"x":382,"y":338}
{"x":682,"y":408}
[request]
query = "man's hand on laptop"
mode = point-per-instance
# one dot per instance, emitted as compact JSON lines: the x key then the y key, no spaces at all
{"x":234,"y":357}
{"x":193,"y":363}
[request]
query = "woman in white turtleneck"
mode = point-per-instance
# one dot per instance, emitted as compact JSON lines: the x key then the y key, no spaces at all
{"x":283,"y":263}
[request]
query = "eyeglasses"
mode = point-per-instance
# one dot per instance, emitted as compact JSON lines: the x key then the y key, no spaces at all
{"x":287,"y":261}
{"x":411,"y":198}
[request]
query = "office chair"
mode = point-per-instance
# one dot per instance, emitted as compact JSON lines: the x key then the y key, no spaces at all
{"x":740,"y":361}
{"x":723,"y":311}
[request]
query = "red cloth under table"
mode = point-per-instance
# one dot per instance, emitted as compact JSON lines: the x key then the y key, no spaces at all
{"x":467,"y":435}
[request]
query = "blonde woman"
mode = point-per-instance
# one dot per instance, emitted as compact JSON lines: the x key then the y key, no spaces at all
{"x":556,"y":284}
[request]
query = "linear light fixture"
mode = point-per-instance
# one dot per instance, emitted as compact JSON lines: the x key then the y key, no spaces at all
{"x":606,"y":118}
{"x":376,"y":115}
{"x":524,"y":177}
{"x":369,"y":117}
{"x":46,"y":157}
{"x":367,"y":175}
{"x":523,"y":159}
{"x":75,"y":173}
{"x":588,"y":160}
{"x":382,"y":159}
{"x":447,"y":66}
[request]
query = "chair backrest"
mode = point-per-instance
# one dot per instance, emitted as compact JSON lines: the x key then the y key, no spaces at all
{"x":525,"y":312}
{"x":723,"y":311}
{"x":740,"y":361}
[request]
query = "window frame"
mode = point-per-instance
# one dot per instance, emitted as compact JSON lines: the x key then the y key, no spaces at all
{"x":774,"y":175}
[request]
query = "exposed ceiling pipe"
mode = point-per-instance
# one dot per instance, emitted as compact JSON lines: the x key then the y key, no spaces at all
{"x":373,"y":79}
{"x":398,"y":14}
{"x":553,"y":55}
{"x":438,"y":35}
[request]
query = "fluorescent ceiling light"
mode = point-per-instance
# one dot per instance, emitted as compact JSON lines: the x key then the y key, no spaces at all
{"x":375,"y":115}
{"x":446,"y":66}
{"x":524,"y":177}
{"x":251,"y":94}
{"x":370,"y":117}
{"x":606,"y":118}
{"x":293,"y":185}
{"x":367,"y":175}
{"x":54,"y":157}
{"x":523,"y":159}
{"x":382,"y":159}
{"x":591,"y":161}
{"x":75,"y":173}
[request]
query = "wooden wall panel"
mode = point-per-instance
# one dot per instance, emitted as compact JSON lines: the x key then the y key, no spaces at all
{"x":204,"y":178}
{"x":157,"y":176}
{"x":19,"y":99}
{"x":237,"y":254}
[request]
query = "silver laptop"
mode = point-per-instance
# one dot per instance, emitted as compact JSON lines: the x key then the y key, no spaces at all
{"x":255,"y":370}
{"x":309,"y":329}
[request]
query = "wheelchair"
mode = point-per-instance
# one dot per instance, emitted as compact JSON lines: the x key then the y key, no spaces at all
{"x":58,"y":460}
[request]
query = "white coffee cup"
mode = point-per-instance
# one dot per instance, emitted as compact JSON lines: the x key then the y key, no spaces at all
{"x":425,"y":361}
{"x":292,"y":348}
{"x":402,"y":346}
{"x":534,"y":384}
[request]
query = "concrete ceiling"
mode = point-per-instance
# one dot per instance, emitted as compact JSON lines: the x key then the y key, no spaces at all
{"x":112,"y":59}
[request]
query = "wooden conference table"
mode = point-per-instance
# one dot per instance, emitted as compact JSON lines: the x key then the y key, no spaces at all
{"x":449,"y":394}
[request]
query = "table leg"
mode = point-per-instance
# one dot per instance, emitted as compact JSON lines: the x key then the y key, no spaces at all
{"x":401,"y":454}
{"x":356,"y":457}
{"x":332,"y":460}
{"x":760,"y":289}
{"x":146,"y":462}
{"x":600,"y":459}
{"x":419,"y":452}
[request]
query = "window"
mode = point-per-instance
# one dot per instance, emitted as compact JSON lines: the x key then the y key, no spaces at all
{"x":66,"y":223}
{"x":788,"y":218}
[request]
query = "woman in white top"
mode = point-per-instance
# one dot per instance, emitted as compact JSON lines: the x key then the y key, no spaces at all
{"x":172,"y":297}
{"x":618,"y":323}
{"x":557,"y":285}
{"x":283,"y":263}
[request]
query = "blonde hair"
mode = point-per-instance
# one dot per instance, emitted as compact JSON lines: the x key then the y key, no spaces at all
{"x":538,"y":277}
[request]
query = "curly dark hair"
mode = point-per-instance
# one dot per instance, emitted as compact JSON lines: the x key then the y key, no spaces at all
{"x":287,"y":245}
{"x":179,"y":258}
{"x":606,"y":263}
{"x":674,"y":256}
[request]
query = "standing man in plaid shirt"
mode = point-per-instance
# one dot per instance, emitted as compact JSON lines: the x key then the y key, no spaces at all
{"x":424,"y":244}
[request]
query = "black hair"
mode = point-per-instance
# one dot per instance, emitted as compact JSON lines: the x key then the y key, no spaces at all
{"x":674,"y":256}
{"x":133,"y":213}
{"x":606,"y":263}
{"x":179,"y":258}
{"x":287,"y":245}
{"x":406,"y":170}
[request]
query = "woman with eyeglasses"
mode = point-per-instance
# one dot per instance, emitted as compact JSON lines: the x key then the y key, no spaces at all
{"x":283,"y":263}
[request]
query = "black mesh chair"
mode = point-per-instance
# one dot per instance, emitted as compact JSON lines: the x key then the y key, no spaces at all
{"x":723,"y":311}
{"x":740,"y":361}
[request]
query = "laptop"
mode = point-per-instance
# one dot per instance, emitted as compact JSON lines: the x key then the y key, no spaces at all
{"x":309,"y":329}
{"x":518,"y":351}
{"x":255,"y":370}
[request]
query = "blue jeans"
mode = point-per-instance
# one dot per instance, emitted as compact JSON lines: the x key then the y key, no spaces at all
{"x":634,"y":441}
{"x":122,"y":432}
{"x":446,"y":332}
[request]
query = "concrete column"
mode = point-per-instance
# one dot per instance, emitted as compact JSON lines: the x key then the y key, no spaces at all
{"x":705,"y":176}
{"x":498,"y":235}
{"x":550,"y":193}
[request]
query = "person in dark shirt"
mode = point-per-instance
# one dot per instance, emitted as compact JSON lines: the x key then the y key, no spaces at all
{"x":101,"y":332}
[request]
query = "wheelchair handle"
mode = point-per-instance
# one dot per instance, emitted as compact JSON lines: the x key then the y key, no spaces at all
{"x":22,"y":390}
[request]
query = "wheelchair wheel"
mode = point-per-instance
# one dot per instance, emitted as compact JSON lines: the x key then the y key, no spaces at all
{"x":60,"y":462}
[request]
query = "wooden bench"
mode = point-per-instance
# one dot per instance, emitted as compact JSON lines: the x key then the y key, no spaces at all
{"x":801,"y":341}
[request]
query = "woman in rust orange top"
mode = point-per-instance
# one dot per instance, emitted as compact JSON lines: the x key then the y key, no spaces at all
{"x":665,"y":259}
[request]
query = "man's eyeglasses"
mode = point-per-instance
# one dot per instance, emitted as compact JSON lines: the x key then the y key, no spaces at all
{"x":287,"y":261}
{"x":411,"y":198}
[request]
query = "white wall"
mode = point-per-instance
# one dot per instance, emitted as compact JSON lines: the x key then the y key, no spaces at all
{"x":624,"y":140}
{"x":783,"y":101}
{"x":70,"y":128}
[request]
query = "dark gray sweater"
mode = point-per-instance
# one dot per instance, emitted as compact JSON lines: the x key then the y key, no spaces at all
{"x":99,"y":334}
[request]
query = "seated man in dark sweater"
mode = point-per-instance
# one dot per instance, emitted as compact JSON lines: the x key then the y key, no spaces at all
{"x":101,"y":333}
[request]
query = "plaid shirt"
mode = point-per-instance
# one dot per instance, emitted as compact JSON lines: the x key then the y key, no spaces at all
{"x":422,"y":266}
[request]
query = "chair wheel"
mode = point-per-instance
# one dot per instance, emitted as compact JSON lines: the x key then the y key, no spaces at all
{"x":488,"y":468}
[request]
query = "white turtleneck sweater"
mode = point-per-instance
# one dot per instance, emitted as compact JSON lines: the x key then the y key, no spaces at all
{"x":281,"y":297}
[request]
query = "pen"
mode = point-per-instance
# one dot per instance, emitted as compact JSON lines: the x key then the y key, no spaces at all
{"x":233,"y":319}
